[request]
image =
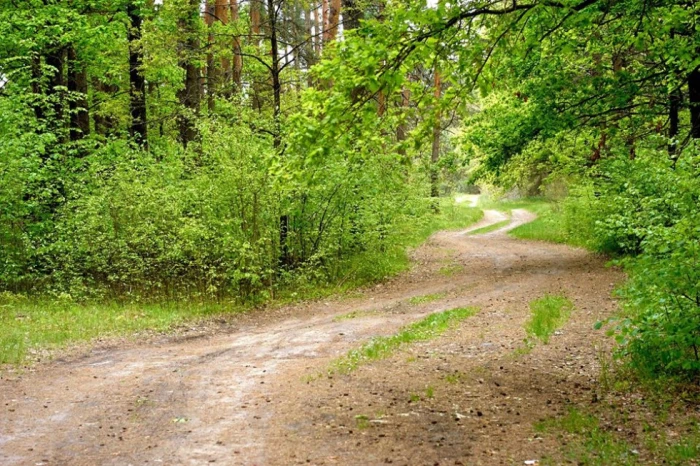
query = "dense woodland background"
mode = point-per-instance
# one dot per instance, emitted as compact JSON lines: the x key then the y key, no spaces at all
{"x":203,"y":150}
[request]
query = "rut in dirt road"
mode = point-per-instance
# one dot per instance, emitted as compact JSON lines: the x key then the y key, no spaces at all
{"x":241,"y":396}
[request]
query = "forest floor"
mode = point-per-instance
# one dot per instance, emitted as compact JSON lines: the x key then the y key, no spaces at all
{"x":249,"y":391}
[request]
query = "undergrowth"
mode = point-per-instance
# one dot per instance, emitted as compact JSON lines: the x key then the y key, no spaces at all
{"x":32,"y":327}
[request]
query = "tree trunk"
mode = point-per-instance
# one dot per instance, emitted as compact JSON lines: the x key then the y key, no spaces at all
{"x":137,"y":90}
{"x":190,"y":95}
{"x":284,"y":259}
{"x":381,"y":103}
{"x":435,"y":155}
{"x":333,"y":20}
{"x":237,"y":58}
{"x":78,"y":103}
{"x":38,"y":101}
{"x":673,"y":110}
{"x":255,"y":27}
{"x":55,"y":59}
{"x":221,"y":13}
{"x":694,"y":101}
{"x":401,"y":127}
{"x":351,"y":15}
{"x":318,"y":33}
{"x":212,"y":68}
{"x":325,"y":10}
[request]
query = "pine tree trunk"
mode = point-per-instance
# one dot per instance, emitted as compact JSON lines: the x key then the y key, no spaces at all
{"x":435,"y":154}
{"x":351,"y":15}
{"x":237,"y":70}
{"x":221,"y":13}
{"x":401,"y":127}
{"x":212,"y":68}
{"x":694,"y":101}
{"x":78,"y":104}
{"x":318,"y":33}
{"x":333,"y":19}
{"x":137,"y":90}
{"x":55,"y":59}
{"x":255,"y":28}
{"x":190,"y":96}
{"x":325,"y":7}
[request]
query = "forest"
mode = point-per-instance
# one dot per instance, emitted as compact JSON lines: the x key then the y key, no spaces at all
{"x":203,"y":151}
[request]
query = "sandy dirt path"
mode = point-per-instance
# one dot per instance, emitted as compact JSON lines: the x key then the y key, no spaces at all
{"x":243,"y":396}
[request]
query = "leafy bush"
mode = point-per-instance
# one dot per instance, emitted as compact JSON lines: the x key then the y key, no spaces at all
{"x":648,"y":208}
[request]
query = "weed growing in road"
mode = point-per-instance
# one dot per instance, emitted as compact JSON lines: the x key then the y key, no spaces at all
{"x":428,"y":298}
{"x":490,"y":228}
{"x":547,"y":314}
{"x":455,"y":377}
{"x":362,"y":421}
{"x":352,"y":315}
{"x":450,"y":270}
{"x":382,"y":347}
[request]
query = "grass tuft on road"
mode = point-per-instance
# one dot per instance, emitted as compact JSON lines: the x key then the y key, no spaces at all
{"x":489,"y":228}
{"x":547,"y":314}
{"x":428,"y":298}
{"x":430,"y":327}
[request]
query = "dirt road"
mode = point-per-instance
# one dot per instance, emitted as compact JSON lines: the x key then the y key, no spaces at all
{"x":244,"y":394}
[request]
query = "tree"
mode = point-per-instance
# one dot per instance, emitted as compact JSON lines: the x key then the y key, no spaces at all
{"x":137,"y":81}
{"x":190,"y":95}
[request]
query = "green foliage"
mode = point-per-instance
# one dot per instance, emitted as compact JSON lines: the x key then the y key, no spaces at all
{"x":547,"y":314}
{"x":382,"y":347}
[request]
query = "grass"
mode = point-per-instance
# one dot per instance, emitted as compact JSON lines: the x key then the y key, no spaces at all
{"x":353,"y":315}
{"x":547,"y":314}
{"x":450,"y":270}
{"x":430,"y":327}
{"x":584,"y":441}
{"x":30,"y":329}
{"x":428,"y":298}
{"x":455,"y":377}
{"x":490,"y":228}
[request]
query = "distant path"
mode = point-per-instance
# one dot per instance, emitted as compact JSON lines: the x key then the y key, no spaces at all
{"x":242,"y":395}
